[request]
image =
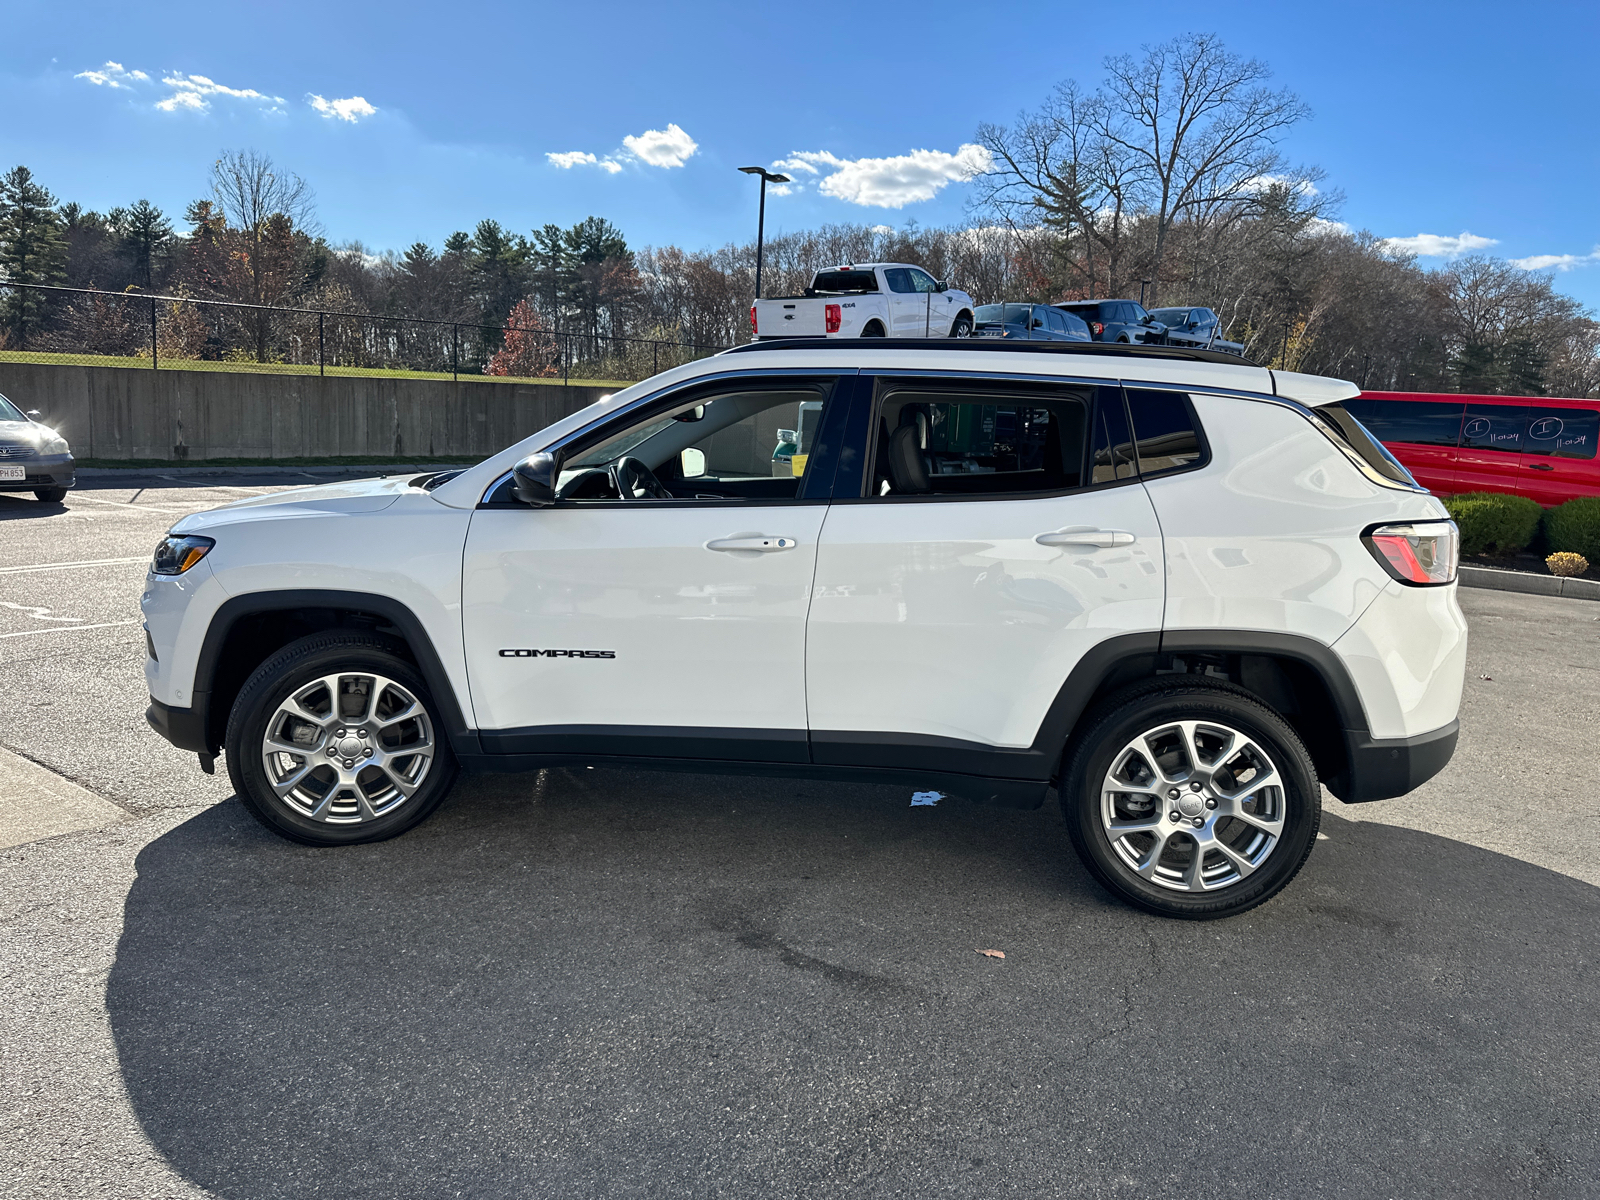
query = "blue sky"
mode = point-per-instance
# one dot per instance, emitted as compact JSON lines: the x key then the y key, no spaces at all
{"x":413,"y":120}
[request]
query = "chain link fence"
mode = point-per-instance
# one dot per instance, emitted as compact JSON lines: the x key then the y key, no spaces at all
{"x":80,"y":326}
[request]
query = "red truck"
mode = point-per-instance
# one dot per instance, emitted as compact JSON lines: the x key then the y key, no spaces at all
{"x":1535,"y":446}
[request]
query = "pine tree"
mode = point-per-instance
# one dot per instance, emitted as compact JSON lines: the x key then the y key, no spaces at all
{"x":33,"y":248}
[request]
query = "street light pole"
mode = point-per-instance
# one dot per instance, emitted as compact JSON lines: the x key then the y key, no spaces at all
{"x":761,"y":217}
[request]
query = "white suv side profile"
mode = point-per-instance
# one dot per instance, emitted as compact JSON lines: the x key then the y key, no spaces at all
{"x":1177,"y":587}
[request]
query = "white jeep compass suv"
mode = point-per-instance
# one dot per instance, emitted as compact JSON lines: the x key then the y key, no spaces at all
{"x":1177,"y":587}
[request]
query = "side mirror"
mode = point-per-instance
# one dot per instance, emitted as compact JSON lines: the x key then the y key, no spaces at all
{"x":33,"y":414}
{"x":692,"y":462}
{"x":941,"y":285}
{"x":788,"y":435}
{"x":533,"y":480}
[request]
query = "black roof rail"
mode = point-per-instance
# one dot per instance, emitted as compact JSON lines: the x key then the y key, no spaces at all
{"x":996,"y":345}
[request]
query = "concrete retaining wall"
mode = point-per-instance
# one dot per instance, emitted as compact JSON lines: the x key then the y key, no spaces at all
{"x":134,"y":413}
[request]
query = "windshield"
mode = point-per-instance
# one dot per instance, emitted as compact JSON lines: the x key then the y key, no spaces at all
{"x":1003,"y":314}
{"x":9,"y":412}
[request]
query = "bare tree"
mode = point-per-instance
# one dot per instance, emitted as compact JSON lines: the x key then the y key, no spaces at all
{"x":1186,"y":133}
{"x":256,"y":197}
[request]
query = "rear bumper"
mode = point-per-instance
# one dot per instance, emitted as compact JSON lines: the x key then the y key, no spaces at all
{"x":185,"y":728}
{"x":1383,"y":768}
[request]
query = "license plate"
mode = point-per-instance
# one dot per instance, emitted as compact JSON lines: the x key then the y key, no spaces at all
{"x":13,"y":474}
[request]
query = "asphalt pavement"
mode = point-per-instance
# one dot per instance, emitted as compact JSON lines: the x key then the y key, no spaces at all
{"x":610,"y":983}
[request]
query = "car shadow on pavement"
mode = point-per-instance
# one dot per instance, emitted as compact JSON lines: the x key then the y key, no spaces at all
{"x":595,"y":982}
{"x":15,"y":506}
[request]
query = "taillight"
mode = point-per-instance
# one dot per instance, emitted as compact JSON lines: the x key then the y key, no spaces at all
{"x":754,"y":332}
{"x":1424,"y":553}
{"x":1097,"y":328}
{"x":833,"y":315}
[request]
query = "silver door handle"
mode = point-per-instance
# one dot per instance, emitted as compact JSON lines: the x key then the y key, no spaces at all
{"x":1086,"y":537}
{"x":752,"y":543}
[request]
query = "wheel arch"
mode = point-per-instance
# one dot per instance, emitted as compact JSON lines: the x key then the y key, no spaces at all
{"x":1301,"y":679}
{"x":246,"y":630}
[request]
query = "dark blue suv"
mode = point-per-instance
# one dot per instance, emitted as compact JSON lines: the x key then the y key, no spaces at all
{"x":1035,"y":322}
{"x":1117,"y":321}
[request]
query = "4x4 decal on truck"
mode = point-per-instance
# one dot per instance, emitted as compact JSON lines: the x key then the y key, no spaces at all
{"x":558,"y":654}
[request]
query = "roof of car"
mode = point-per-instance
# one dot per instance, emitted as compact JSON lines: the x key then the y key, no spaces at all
{"x":981,"y":346}
{"x":1161,"y":366}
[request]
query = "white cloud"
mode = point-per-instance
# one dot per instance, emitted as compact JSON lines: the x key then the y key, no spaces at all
{"x":893,"y":182}
{"x":1318,"y":227}
{"x":1260,"y":183}
{"x":350,"y":109}
{"x":793,"y":164}
{"x":1438,"y":245}
{"x":669,"y":147}
{"x":113,"y":75}
{"x":582,"y":158}
{"x":194,"y":92}
{"x":1559,"y":262}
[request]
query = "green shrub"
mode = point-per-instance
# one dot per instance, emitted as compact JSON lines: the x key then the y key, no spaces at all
{"x":1575,"y":527}
{"x":1494,"y":523}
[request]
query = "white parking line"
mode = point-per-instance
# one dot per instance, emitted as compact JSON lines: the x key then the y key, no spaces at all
{"x":67,"y":629}
{"x":72,"y":566}
{"x":77,"y":496}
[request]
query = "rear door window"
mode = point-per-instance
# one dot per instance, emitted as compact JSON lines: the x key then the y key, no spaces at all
{"x":1166,"y":433}
{"x":1494,"y":427}
{"x":1562,"y":432}
{"x":899,"y":280}
{"x":1414,"y":422}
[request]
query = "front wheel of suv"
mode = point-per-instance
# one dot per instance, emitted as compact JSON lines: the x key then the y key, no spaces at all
{"x":1191,"y":799}
{"x":336,"y":740}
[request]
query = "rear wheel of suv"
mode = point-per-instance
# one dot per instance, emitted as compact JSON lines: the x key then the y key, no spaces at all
{"x":1191,"y":799}
{"x":336,"y":740}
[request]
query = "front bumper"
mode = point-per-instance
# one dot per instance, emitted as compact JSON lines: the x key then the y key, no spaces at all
{"x":1383,"y":768}
{"x":185,"y":728}
{"x":42,"y":471}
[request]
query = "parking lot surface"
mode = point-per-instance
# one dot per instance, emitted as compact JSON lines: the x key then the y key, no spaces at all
{"x":608,"y":983}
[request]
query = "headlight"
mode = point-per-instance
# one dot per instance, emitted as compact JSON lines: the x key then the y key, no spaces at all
{"x":51,"y":442}
{"x":175,"y":555}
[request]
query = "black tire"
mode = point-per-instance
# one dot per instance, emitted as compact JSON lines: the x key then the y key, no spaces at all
{"x":293,"y":668}
{"x":962,"y":327}
{"x":873,"y":329}
{"x":50,"y":495}
{"x":1145,"y":708}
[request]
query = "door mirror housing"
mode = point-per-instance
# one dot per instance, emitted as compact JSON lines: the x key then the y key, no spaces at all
{"x":33,"y":414}
{"x":941,"y":285}
{"x":533,"y":480}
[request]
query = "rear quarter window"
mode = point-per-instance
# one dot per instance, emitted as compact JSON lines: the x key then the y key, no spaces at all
{"x":1166,"y":433}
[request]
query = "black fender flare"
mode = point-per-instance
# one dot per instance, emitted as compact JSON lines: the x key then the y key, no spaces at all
{"x":463,"y":738}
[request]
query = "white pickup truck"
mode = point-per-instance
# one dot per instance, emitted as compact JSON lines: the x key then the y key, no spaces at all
{"x":866,"y":300}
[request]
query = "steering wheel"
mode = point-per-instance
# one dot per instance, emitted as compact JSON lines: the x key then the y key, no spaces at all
{"x":635,"y":481}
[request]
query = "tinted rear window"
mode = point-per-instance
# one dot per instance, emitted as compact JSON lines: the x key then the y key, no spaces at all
{"x":1164,"y":430}
{"x":845,"y":281}
{"x":1562,"y":432}
{"x":1414,"y":422}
